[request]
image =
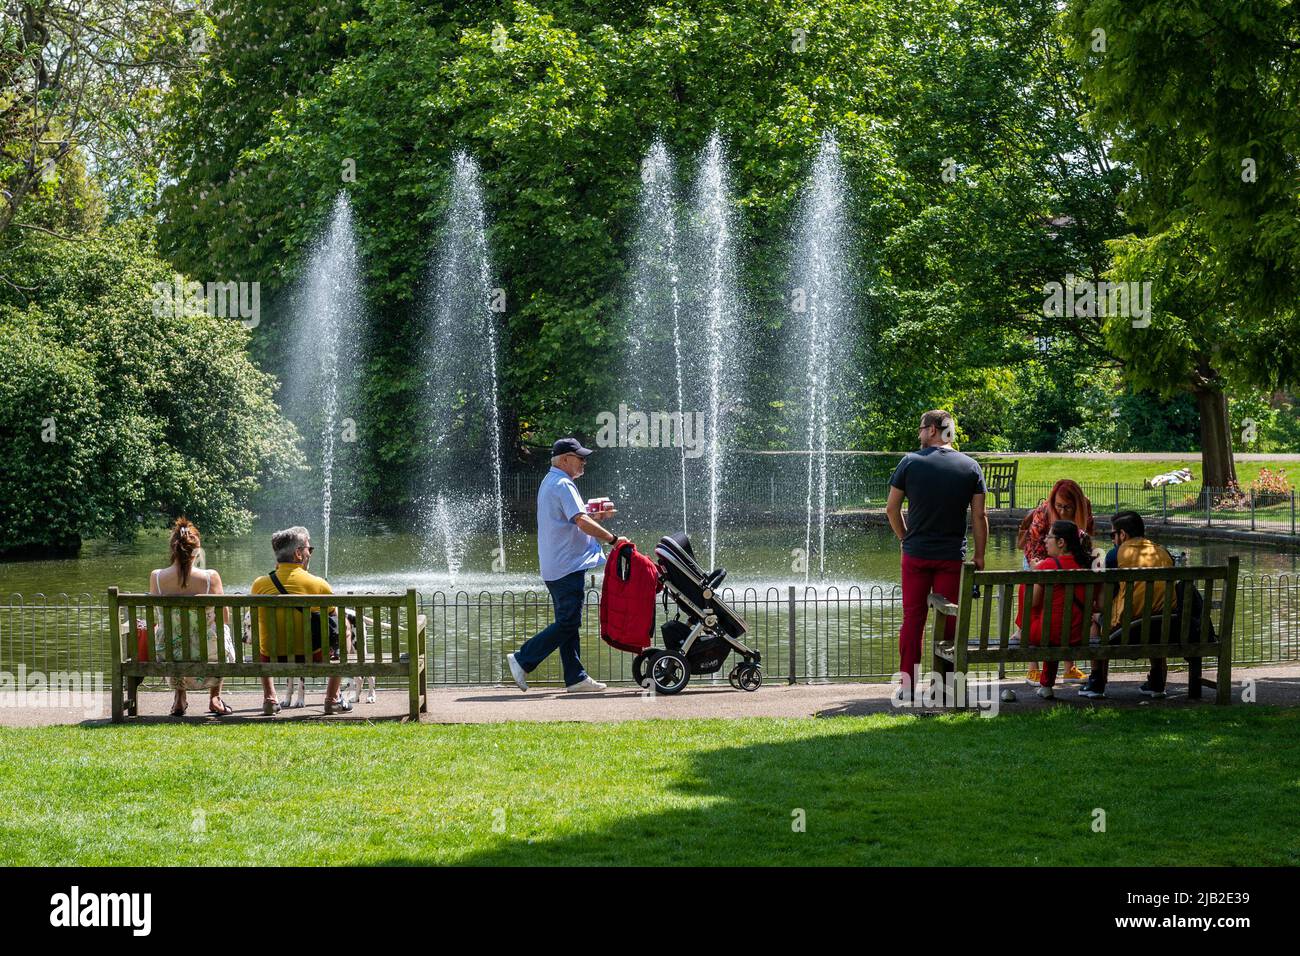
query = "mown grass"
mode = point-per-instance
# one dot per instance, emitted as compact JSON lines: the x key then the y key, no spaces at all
{"x":1200,"y":785}
{"x":1126,"y":471}
{"x":1046,"y":470}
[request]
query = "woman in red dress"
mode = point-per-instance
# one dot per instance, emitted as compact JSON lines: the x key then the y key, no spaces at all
{"x":1068,"y":549}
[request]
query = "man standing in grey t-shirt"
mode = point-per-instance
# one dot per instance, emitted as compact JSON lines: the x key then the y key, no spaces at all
{"x":939,"y":483}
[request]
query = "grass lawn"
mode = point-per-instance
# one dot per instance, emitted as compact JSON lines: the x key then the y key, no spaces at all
{"x":1047,"y":469}
{"x":1129,"y":472}
{"x":1200,"y":785}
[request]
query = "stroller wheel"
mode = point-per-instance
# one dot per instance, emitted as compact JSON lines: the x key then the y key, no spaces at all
{"x":639,"y":665}
{"x":670,"y":672}
{"x":749,"y":677}
{"x":734,"y":676}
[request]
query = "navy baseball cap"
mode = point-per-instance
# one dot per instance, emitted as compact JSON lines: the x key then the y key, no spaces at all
{"x":569,"y":446}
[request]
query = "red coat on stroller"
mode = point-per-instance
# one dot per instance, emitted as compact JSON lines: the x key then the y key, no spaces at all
{"x":627,"y":599}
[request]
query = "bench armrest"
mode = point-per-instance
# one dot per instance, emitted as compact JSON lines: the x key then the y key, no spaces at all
{"x":942,"y":605}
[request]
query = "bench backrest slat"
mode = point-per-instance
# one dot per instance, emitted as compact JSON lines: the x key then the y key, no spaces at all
{"x":1205,"y":614}
{"x":151,"y":629}
{"x":360,"y":612}
{"x":1068,"y":616}
{"x":1004,"y":616}
{"x":1107,"y":608}
{"x":1089,"y":601}
{"x":1048,"y":594}
{"x":1126,"y":613}
{"x":341,"y":611}
{"x":132,"y":615}
{"x":1147,"y":610}
{"x":1167,"y":615}
{"x":187,"y":652}
{"x":221,"y":643}
{"x":273,"y":642}
{"x":986,"y":616}
{"x":168,"y":626}
{"x":254,"y":634}
{"x":392,"y":628}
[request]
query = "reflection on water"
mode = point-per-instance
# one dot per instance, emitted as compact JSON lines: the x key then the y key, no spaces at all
{"x":384,"y":560}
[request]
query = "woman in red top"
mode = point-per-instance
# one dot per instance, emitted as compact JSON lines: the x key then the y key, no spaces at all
{"x":1068,"y":549}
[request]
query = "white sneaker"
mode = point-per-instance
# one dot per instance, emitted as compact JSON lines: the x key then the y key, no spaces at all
{"x":585,"y":686}
{"x":1046,"y":693}
{"x":517,"y":672}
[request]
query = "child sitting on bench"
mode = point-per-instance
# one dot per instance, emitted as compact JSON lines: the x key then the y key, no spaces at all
{"x":1068,"y":549}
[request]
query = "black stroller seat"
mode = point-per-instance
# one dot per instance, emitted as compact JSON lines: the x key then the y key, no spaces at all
{"x":711,"y":631}
{"x":689,"y":582}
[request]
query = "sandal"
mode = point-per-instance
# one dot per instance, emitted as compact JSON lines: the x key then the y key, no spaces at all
{"x":225,"y":708}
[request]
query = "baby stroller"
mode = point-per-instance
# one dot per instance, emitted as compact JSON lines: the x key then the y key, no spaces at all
{"x":700,"y":644}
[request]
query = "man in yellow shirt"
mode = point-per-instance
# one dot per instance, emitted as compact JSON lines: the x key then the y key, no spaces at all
{"x":293,"y":549}
{"x":1133,"y":550}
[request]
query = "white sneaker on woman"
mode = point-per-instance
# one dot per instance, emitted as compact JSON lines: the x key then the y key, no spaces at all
{"x":585,"y":686}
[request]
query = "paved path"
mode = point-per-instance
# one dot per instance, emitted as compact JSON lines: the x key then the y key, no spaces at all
{"x":1278,"y":685}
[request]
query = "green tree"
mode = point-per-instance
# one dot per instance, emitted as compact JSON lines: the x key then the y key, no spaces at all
{"x":1202,"y":100}
{"x":115,"y":413}
{"x":83,"y":83}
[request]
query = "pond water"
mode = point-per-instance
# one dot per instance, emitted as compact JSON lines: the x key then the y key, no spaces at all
{"x":847,"y":627}
{"x":379,"y":559}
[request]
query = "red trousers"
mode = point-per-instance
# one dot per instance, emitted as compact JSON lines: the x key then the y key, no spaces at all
{"x":920,"y":577}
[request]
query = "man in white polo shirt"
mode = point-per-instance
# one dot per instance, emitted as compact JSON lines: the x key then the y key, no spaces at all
{"x":568,"y":546}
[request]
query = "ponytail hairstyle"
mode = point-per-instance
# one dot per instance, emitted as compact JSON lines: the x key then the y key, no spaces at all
{"x":185,"y":541}
{"x":1076,"y":542}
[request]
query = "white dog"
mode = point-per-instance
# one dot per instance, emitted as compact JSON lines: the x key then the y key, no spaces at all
{"x":354,"y":684}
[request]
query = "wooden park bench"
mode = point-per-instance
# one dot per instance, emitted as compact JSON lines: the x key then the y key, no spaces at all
{"x":999,"y":480}
{"x":1163,"y":633}
{"x":389,"y":636}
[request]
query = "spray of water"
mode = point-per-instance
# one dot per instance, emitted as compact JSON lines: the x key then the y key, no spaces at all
{"x":327,"y":320}
{"x":656,"y":311}
{"x":823,"y":325}
{"x":461,"y":385}
{"x":719,"y":301}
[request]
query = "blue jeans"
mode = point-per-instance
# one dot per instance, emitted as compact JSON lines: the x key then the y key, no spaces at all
{"x":565,"y":632}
